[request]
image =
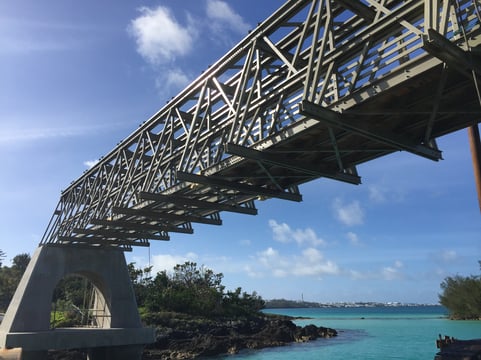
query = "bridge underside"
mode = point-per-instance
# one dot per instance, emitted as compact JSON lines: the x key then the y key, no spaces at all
{"x":438,"y":102}
{"x":315,"y":90}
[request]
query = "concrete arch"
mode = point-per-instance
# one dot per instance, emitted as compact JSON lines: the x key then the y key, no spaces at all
{"x":27,"y":321}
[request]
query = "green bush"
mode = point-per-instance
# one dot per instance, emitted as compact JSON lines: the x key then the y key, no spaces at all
{"x":462,"y":296}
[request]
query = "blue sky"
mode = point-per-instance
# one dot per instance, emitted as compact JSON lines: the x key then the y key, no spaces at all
{"x":77,"y":77}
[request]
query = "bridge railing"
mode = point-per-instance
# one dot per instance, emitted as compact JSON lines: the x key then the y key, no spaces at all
{"x":331,"y":54}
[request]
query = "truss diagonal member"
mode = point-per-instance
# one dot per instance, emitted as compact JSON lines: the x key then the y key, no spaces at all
{"x":299,"y":166}
{"x":455,"y":57}
{"x":359,"y":8}
{"x":243,"y":188}
{"x":202,"y":204}
{"x":156,"y":215}
{"x":335,"y":119}
{"x":132,"y":225}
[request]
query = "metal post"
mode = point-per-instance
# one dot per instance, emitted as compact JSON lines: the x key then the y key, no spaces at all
{"x":475,"y":145}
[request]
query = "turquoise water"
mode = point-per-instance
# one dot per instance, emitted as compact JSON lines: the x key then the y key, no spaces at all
{"x":370,"y":333}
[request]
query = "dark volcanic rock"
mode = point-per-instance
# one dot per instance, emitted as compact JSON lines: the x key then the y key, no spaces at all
{"x":204,"y":337}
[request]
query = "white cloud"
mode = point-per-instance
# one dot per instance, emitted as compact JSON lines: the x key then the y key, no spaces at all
{"x":159,"y":37}
{"x":245,"y":242}
{"x":222,"y":16}
{"x":15,"y":134}
{"x":167,"y":262}
{"x":173,"y":78}
{"x":349,"y":214}
{"x":310,"y":262}
{"x":353,"y":238}
{"x":283,"y":233}
{"x":377,"y":194}
{"x":90,"y":163}
{"x":392,"y":272}
{"x":446,"y":256}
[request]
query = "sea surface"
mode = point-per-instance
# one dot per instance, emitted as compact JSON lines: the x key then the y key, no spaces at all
{"x":404,"y":332}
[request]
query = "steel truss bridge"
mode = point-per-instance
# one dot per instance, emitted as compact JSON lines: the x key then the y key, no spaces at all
{"x":316,"y":89}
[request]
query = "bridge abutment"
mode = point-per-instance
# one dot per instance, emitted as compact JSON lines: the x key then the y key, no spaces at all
{"x":26,"y":323}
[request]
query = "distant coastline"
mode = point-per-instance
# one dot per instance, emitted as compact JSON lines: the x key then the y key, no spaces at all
{"x":293,"y":304}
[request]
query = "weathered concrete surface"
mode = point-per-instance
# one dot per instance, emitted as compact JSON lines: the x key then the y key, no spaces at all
{"x":27,"y":321}
{"x":77,"y":338}
{"x":10,"y":354}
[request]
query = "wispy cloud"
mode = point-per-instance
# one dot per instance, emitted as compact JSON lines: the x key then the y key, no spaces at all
{"x":387,"y":273}
{"x":283,"y":233}
{"x":222,"y":17}
{"x":393,"y":272}
{"x":310,"y":262}
{"x":20,"y":135}
{"x":353,"y":238}
{"x":24,"y":36}
{"x":349,"y":214}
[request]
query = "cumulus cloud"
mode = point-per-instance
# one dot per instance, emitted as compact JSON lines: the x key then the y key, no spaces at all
{"x":349,"y":214}
{"x":310,"y":262}
{"x":167,"y":262}
{"x":222,"y":16}
{"x":283,"y":233}
{"x":159,"y":36}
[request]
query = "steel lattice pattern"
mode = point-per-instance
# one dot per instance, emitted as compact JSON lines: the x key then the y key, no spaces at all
{"x":313,"y":91}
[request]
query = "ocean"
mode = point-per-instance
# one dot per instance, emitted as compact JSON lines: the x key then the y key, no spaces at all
{"x":403,"y":332}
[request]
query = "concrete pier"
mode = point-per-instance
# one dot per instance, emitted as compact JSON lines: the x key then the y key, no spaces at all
{"x":26,"y":323}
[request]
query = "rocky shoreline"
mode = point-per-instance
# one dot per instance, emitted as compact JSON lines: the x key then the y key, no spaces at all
{"x":191,"y":338}
{"x":183,"y":337}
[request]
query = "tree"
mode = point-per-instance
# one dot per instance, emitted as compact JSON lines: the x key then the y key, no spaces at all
{"x":462,"y":296}
{"x":2,"y":256}
{"x":193,"y":290}
{"x":10,"y":277}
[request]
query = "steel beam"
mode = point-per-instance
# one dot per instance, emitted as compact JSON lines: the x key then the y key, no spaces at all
{"x":456,"y":58}
{"x":99,"y":241}
{"x":298,"y":165}
{"x":237,"y":186}
{"x":332,"y":118}
{"x":132,"y":225}
{"x":118,"y":234}
{"x":202,"y":204}
{"x":156,"y":215}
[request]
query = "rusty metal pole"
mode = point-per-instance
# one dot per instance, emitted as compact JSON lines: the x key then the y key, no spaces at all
{"x":475,"y":145}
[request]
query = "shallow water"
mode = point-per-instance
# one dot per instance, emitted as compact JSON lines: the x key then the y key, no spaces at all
{"x":370,"y":333}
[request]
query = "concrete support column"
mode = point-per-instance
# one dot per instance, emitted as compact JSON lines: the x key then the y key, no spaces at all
{"x":26,"y":323}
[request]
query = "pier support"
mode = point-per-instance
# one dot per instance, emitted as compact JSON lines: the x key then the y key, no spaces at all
{"x":26,"y":323}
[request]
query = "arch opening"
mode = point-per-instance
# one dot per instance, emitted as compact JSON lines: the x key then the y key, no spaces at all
{"x":77,"y":301}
